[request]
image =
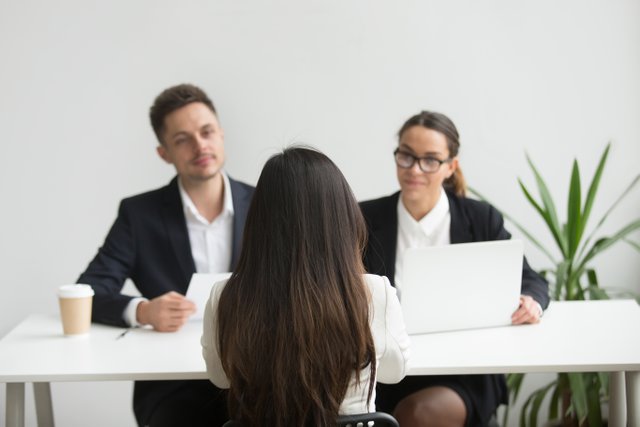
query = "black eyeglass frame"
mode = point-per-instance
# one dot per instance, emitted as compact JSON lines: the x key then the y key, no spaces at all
{"x":415,"y":159}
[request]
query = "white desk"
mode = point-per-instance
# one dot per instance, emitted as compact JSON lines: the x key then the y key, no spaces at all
{"x":36,"y":351}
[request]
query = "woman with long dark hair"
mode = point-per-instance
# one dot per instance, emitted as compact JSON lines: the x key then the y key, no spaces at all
{"x":299,"y":334}
{"x":430,"y":210}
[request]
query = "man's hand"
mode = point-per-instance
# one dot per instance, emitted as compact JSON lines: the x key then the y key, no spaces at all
{"x":166,"y":313}
{"x":528,"y":312}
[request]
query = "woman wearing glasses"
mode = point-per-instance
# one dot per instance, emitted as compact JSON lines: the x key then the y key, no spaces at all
{"x":429,"y":210}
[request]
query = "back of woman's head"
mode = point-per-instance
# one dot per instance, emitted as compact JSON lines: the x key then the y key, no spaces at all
{"x":293,"y":318}
{"x":443,"y":124}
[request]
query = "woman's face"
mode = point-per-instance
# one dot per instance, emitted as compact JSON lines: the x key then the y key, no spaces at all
{"x":419,"y":187}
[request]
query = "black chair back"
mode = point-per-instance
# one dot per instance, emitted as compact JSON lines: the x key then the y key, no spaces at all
{"x":378,"y":419}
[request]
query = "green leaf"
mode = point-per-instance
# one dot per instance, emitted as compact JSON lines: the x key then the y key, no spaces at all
{"x":554,"y":403}
{"x":550,"y":209}
{"x":555,"y":232}
{"x":632,"y":244}
{"x":522,"y":229}
{"x":597,"y":293}
{"x":561,"y":278}
{"x":532,"y":405}
{"x":578,"y":395}
{"x":593,"y":188}
{"x":621,"y":293}
{"x":592,"y":277}
{"x":514,"y":383}
{"x":537,"y":403}
{"x":525,"y":410}
{"x":534,"y":203}
{"x":611,"y":208}
{"x":606,"y":242}
{"x":603,"y":379}
{"x":619,"y":199}
{"x":574,"y":216}
{"x":545,"y":273}
{"x":531,"y":200}
{"x":572,"y":286}
{"x":594,"y":412}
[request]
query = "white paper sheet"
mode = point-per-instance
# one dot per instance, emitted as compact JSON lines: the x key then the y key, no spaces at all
{"x":200,"y":288}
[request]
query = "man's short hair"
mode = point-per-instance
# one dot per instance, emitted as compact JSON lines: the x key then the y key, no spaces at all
{"x":172,"y":99}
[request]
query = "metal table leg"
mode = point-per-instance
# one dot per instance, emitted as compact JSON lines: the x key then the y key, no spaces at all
{"x":633,"y":398}
{"x":44,"y":408}
{"x":15,"y":405}
{"x":617,"y":403}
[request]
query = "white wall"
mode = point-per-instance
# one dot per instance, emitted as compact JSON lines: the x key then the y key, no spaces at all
{"x":555,"y":79}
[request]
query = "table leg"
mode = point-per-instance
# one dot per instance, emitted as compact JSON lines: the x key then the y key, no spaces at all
{"x":617,"y":406}
{"x":44,"y":408}
{"x":15,"y":405}
{"x":633,"y":398}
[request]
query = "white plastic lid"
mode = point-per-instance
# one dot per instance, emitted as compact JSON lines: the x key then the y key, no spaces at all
{"x":75,"y":291}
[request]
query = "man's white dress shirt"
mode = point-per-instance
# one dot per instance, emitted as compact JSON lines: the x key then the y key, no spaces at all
{"x":211,"y":242}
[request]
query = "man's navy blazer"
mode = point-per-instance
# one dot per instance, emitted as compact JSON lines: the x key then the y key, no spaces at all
{"x":149,"y":243}
{"x":471,"y":221}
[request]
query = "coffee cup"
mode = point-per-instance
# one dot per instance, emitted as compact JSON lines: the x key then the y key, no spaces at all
{"x":75,"y":308}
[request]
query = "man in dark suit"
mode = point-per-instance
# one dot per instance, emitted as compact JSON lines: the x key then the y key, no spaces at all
{"x":160,"y":238}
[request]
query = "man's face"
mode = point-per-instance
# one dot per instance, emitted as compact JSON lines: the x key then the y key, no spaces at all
{"x":193,"y":142}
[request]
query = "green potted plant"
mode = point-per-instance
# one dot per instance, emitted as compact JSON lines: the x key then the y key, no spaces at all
{"x":575,"y":398}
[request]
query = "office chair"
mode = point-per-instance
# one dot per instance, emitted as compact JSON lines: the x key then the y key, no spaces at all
{"x":379,"y":419}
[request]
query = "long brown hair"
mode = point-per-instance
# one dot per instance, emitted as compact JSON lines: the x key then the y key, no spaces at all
{"x":443,"y":124}
{"x":294,"y":316}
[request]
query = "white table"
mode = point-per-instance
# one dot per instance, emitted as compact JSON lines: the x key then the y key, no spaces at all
{"x":36,"y":351}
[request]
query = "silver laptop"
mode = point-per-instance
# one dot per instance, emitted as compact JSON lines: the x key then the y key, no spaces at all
{"x":461,"y":286}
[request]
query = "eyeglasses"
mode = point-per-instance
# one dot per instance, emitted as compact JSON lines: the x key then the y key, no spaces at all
{"x":427,"y":164}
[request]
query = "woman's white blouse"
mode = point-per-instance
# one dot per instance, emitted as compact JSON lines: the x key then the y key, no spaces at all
{"x":433,"y":229}
{"x":387,"y":327}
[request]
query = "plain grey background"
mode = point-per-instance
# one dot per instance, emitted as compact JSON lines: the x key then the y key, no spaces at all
{"x":554,"y":79}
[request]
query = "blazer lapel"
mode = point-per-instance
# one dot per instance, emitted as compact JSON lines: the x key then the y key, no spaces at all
{"x":241,"y":199}
{"x":384,"y":235}
{"x":176,"y":229}
{"x":460,"y":231}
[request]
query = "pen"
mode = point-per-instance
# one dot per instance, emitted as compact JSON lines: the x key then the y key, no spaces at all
{"x":126,"y":331}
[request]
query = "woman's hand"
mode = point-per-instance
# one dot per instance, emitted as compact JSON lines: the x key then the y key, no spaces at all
{"x":528,"y":312}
